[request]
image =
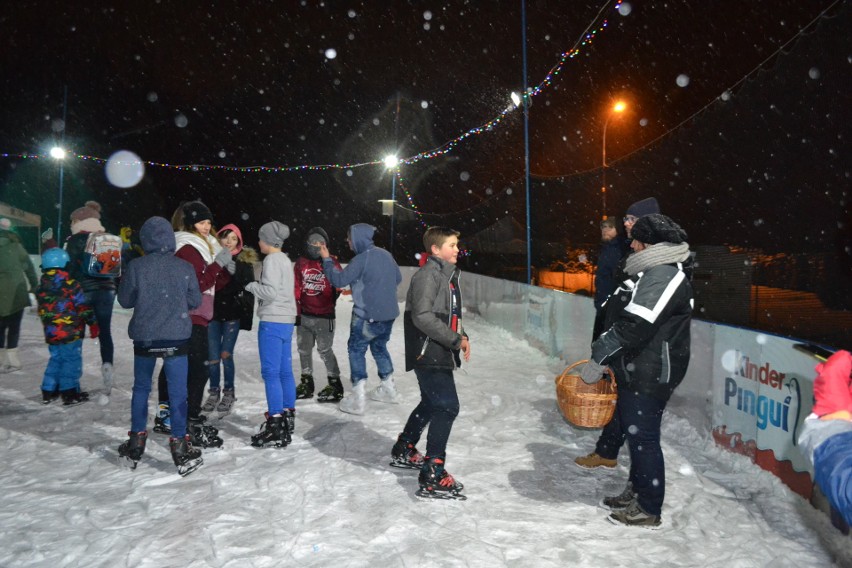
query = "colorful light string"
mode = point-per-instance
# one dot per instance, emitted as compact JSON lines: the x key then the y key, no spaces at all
{"x":586,"y":39}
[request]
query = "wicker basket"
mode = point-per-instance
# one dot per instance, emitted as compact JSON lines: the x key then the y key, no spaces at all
{"x":590,"y":406}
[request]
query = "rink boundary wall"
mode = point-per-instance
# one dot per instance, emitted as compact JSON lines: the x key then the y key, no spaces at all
{"x":755,"y":390}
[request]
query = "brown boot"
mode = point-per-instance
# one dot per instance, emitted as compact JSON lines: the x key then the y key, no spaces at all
{"x":593,"y":460}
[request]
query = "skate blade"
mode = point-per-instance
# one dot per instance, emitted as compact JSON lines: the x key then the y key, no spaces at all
{"x":443,"y":495}
{"x":189,"y":467}
{"x":404,"y":465}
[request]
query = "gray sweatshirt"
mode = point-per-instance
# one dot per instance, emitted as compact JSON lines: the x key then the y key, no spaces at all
{"x":275,"y":292}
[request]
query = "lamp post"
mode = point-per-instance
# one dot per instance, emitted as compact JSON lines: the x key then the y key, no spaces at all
{"x":391,"y":163}
{"x":58,"y":154}
{"x":617,"y":108}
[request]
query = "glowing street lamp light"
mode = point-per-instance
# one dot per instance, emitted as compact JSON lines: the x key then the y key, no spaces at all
{"x":58,"y":153}
{"x":617,"y":108}
{"x":391,"y":161}
{"x":516,"y":99}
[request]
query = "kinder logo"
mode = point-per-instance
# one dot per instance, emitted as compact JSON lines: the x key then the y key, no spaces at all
{"x":769,"y":411}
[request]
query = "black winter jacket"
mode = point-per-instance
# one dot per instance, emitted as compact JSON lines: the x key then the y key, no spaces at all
{"x":647,"y":337}
{"x":429,"y":340}
{"x":233,"y":302}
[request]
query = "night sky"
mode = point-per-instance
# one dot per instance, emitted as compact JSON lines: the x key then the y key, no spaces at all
{"x":742,"y":145}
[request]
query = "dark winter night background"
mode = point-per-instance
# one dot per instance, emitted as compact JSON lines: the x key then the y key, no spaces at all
{"x":737,"y":118}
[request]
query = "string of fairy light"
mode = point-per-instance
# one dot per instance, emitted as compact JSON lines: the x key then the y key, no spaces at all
{"x":585,"y":40}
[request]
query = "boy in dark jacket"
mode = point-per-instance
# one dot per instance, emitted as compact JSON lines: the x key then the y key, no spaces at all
{"x":434,"y":337}
{"x":64,"y":313}
{"x":315,"y":300}
{"x":161,"y":289}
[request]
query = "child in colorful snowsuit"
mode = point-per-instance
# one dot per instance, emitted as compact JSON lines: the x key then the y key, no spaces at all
{"x":64,"y":313}
{"x":434,"y":339}
{"x":316,"y":299}
{"x":161,"y":289}
{"x":277,"y":312}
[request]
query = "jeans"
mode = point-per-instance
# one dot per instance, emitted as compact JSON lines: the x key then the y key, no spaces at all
{"x":375,"y":335}
{"x":221,"y":338}
{"x":320,"y":331}
{"x":175,"y":369}
{"x":64,"y":368}
{"x":196,"y":377}
{"x":102,"y":302}
{"x":276,"y":365}
{"x":438,"y":408}
{"x":639,"y":417}
{"x":10,"y":330}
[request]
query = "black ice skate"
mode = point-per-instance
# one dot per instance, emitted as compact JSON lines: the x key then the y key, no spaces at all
{"x":133,"y":448}
{"x":274,"y":433}
{"x":74,"y":397}
{"x":201,"y":434}
{"x":49,"y":396}
{"x":436,"y":483}
{"x":186,"y":458}
{"x":333,"y":392}
{"x":405,"y":456}
{"x":290,"y":420}
{"x":305,"y":389}
{"x":163,"y":419}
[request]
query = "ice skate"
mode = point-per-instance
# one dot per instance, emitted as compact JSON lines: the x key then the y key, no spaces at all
{"x":227,"y":402}
{"x":290,"y":420}
{"x":49,"y":396}
{"x":305,"y":389}
{"x":163,"y":420}
{"x":274,"y":433}
{"x":201,"y":434}
{"x":385,"y":392}
{"x":356,"y":402}
{"x":133,"y":448}
{"x":108,"y":376}
{"x":212,"y":401}
{"x":333,"y":392}
{"x":73,"y":397}
{"x":405,"y":456}
{"x":436,"y":483}
{"x":186,"y":458}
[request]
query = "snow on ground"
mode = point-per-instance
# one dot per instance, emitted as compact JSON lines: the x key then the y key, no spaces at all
{"x":330,"y":498}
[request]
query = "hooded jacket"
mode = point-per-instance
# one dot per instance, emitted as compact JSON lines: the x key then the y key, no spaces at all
{"x":315,"y":296}
{"x":16,"y":273}
{"x":430,"y":341}
{"x":233,"y":301}
{"x":160,"y":288}
{"x":372,"y":274}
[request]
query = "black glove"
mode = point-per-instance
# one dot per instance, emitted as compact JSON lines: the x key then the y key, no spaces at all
{"x":592,"y":372}
{"x":223,"y":257}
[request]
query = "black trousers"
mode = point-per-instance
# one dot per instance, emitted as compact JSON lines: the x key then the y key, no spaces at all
{"x":198,"y":375}
{"x":438,"y":408}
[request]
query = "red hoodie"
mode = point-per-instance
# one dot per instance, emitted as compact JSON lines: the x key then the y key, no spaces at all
{"x":315,"y":296}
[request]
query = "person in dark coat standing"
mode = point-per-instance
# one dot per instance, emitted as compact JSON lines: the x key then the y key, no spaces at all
{"x":646,"y":345}
{"x":613,"y":248}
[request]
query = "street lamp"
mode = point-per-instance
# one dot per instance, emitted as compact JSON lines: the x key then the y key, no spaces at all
{"x":391,"y":163}
{"x":617,"y":108}
{"x":58,"y":154}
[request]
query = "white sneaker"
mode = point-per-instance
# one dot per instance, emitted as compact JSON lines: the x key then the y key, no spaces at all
{"x":385,"y":392}
{"x":356,"y":401}
{"x":106,"y":371}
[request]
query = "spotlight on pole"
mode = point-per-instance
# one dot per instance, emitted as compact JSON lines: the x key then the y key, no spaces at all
{"x":391,"y":161}
{"x":57,"y":153}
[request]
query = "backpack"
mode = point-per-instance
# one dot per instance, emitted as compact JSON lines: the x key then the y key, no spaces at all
{"x":102,"y":255}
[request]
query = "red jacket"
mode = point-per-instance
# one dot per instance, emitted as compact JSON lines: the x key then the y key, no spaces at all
{"x":315,"y":296}
{"x":211,"y":277}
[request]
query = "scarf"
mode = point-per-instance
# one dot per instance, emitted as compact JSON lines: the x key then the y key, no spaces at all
{"x":207,"y":249}
{"x":656,"y":255}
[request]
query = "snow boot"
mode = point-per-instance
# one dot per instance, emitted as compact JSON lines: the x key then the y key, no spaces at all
{"x":305,"y":388}
{"x":620,"y":501}
{"x":186,"y":458}
{"x":107,"y":373}
{"x":436,"y":483}
{"x":163,"y":419}
{"x":333,"y":392}
{"x":227,"y":402}
{"x":72,"y":397}
{"x":385,"y":392}
{"x":356,"y":401}
{"x":213,"y":396}
{"x":13,"y":362}
{"x":634,"y":516}
{"x":133,"y":448}
{"x":405,"y":456}
{"x":274,"y":433}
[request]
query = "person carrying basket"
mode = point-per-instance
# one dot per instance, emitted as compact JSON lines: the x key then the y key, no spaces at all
{"x":646,"y":346}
